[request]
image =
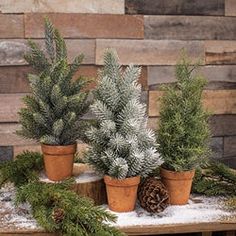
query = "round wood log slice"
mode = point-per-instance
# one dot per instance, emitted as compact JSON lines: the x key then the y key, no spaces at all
{"x":88,"y":183}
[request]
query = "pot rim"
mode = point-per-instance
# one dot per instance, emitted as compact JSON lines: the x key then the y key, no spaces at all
{"x":59,"y":149}
{"x":127,"y":182}
{"x":177,"y":175}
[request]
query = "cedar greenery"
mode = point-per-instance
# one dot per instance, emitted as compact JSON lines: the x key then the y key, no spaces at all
{"x":81,"y":217}
{"x":215,"y":179}
{"x":53,"y":112}
{"x":183,"y":131}
{"x":121,"y":144}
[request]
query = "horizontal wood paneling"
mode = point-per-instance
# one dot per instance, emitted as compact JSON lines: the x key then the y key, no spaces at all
{"x":219,"y":77}
{"x":220,"y":52}
{"x":230,"y":146}
{"x":149,"y":52}
{"x":68,"y":6}
{"x":13,"y":79}
{"x":86,"y":25}
{"x":12,"y":51}
{"x":12,"y":26}
{"x":216,"y":101}
{"x":175,"y":7}
{"x":190,"y":27}
{"x":230,"y":7}
{"x":221,"y":125}
{"x":9,"y":106}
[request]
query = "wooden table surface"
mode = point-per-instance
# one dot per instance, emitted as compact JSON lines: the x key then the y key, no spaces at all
{"x":145,"y":230}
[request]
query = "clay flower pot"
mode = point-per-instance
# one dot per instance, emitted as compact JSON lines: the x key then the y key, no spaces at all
{"x":178,"y":185}
{"x":121,"y":193}
{"x":58,"y":161}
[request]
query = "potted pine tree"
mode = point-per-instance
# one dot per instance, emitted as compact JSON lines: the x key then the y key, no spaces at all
{"x":52,"y":113}
{"x":122,"y":148}
{"x":183,"y":131}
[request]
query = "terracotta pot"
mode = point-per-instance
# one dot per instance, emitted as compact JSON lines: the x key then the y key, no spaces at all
{"x":178,"y":185}
{"x":121,"y":193}
{"x":58,"y":161}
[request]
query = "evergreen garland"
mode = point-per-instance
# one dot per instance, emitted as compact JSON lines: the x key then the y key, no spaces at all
{"x":54,"y":206}
{"x":52,"y":113}
{"x":183,"y":132}
{"x":121,"y":145}
{"x":216,"y":179}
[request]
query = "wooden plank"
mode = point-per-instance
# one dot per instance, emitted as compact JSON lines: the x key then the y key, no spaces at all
{"x":10,"y":104}
{"x":230,"y":146}
{"x":149,"y":52}
{"x":146,"y":230}
{"x":230,"y":7}
{"x":175,"y":7}
{"x":190,"y":27}
{"x":206,"y":233}
{"x":217,"y":147}
{"x":13,"y":79}
{"x":12,"y":51}
{"x":216,"y":101}
{"x":83,"y":25}
{"x":68,"y":6}
{"x":223,"y":125}
{"x":9,"y":138}
{"x":6,"y":153}
{"x":177,"y":228}
{"x":220,"y":52}
{"x":219,"y":77}
{"x":12,"y":26}
{"x":229,"y":161}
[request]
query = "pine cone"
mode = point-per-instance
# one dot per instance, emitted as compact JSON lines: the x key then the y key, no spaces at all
{"x":58,"y":215}
{"x":153,"y":196}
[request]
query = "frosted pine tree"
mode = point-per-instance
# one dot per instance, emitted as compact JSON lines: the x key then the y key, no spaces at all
{"x":121,"y":144}
{"x":53,"y":112}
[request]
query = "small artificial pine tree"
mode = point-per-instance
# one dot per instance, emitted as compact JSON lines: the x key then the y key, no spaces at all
{"x":121,"y":145}
{"x":183,"y":130}
{"x":52,"y":114}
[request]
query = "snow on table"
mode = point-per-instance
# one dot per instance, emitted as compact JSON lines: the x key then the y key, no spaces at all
{"x":200,"y":209}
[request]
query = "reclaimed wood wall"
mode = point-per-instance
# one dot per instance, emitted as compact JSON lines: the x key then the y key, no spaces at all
{"x":150,"y":33}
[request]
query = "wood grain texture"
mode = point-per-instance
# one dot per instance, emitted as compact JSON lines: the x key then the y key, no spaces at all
{"x":86,"y":25}
{"x":219,"y":77}
{"x":230,"y":7}
{"x":10,"y":105}
{"x":190,"y":27}
{"x":230,"y":146}
{"x":13,"y":79}
{"x":12,"y":51}
{"x":216,"y":101}
{"x":9,"y":138}
{"x":223,"y":125}
{"x":12,"y":26}
{"x":142,"y":230}
{"x":220,"y":52}
{"x":149,"y":52}
{"x":175,"y":7}
{"x":68,"y":6}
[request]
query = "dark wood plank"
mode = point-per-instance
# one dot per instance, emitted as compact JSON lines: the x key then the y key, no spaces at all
{"x":190,"y":27}
{"x":223,"y":125}
{"x":230,"y":146}
{"x":219,"y":77}
{"x":175,"y":7}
